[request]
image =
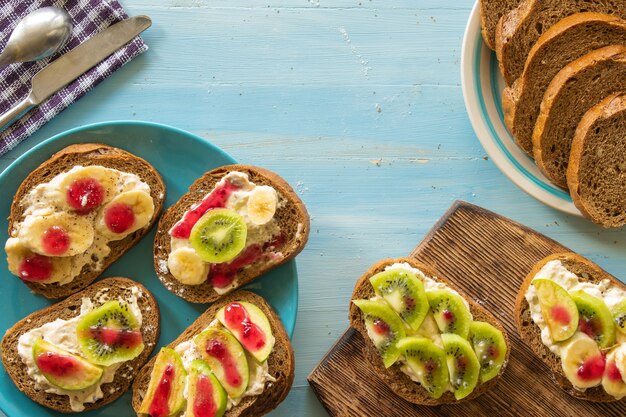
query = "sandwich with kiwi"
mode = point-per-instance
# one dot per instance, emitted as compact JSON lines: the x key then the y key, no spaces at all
{"x":426,"y":340}
{"x":234,"y":224}
{"x":77,"y":213}
{"x":572,"y":314}
{"x":83,"y":352}
{"x":234,"y":360}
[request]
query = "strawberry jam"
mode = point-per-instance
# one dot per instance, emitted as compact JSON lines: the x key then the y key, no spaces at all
{"x":216,"y":349}
{"x":448,"y":315}
{"x":57,"y":364}
{"x":380,"y":327}
{"x":612,"y":372}
{"x":116,"y":337}
{"x":55,"y":241}
{"x":159,"y":406}
{"x":560,"y":315}
{"x":35,"y":268}
{"x":592,"y":368}
{"x":236,"y":318}
{"x":84,"y":195}
{"x":589,"y":327}
{"x":216,"y":199}
{"x":204,"y":404}
{"x":119,"y":217}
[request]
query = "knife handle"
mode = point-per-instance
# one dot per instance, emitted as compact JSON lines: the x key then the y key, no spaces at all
{"x":19,"y":109}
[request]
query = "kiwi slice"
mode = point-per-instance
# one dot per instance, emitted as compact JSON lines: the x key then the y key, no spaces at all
{"x":463,"y":366}
{"x":109,"y":334}
{"x":384,"y":328}
{"x":619,"y":316}
{"x":490,"y":348}
{"x":219,"y":235}
{"x":165,"y":393}
{"x":594,"y":318}
{"x":428,"y":362}
{"x":450,"y":312}
{"x":405,"y":294}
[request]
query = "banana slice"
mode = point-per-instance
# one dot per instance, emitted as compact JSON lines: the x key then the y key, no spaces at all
{"x":614,"y":378}
{"x":59,"y":234}
{"x":620,"y":360}
{"x":582,"y":361}
{"x":187,"y":267}
{"x":262,"y":204}
{"x":126,"y":213}
{"x":83,"y":189}
{"x":46,"y":270}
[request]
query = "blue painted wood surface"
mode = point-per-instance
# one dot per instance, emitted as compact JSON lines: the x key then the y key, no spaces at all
{"x":357,"y":103}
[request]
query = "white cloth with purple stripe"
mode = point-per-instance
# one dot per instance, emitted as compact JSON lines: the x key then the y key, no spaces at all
{"x":89,"y":17}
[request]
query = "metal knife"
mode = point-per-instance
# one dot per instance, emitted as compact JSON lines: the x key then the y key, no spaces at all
{"x":76,"y":62}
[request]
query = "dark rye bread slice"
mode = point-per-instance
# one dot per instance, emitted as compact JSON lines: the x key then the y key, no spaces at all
{"x":518,"y":30}
{"x":490,"y":13}
{"x":281,"y":362}
{"x":596,"y":174}
{"x":90,"y":154}
{"x":531,"y":334}
{"x":574,"y":90}
{"x":398,"y":381}
{"x":70,"y":308}
{"x":292,"y":218}
{"x":566,"y":41}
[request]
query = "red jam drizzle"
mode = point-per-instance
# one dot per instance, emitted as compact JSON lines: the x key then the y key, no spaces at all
{"x":238,"y":320}
{"x":448,"y":315}
{"x":35,"y":268}
{"x":85,"y":194}
{"x":591,"y":369}
{"x":560,"y":315}
{"x":216,"y":199}
{"x":116,"y":337}
{"x":159,"y":406}
{"x":55,"y":240}
{"x":461,"y":363}
{"x":588,"y":327}
{"x":430,"y":366}
{"x":119,"y":217}
{"x":612,"y":372}
{"x":493,"y":351}
{"x":380,"y":327}
{"x":204,"y":405}
{"x":57,"y":364}
{"x":216,"y":349}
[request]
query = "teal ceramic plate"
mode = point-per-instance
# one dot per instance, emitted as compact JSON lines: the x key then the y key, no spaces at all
{"x":180,"y":158}
{"x":482,"y":90}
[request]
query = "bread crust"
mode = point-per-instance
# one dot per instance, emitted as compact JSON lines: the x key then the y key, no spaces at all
{"x":69,"y":308}
{"x":491,"y":11}
{"x":289,"y":217}
{"x":90,"y":154}
{"x":281,"y":362}
{"x":530,"y":334}
{"x":398,"y":381}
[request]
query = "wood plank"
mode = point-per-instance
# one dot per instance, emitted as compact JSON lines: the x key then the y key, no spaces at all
{"x":487,"y":256}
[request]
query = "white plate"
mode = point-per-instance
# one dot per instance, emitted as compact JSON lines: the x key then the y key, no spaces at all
{"x":482,"y":89}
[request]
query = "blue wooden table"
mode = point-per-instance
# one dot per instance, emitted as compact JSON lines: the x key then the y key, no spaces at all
{"x":357,"y":103}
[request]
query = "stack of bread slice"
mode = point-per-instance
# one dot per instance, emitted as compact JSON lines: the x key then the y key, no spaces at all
{"x":564,"y":64}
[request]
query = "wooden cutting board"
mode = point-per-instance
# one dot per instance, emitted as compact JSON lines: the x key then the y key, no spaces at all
{"x":486,"y":256}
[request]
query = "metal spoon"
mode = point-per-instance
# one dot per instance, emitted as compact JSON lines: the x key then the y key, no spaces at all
{"x":38,"y":35}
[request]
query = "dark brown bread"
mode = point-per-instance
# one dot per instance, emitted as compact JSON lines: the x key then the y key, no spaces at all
{"x":90,"y":154}
{"x":596,"y":174}
{"x":518,"y":30}
{"x":397,"y":380}
{"x":574,"y":90}
{"x":531,"y":333}
{"x":67,"y":309}
{"x":566,"y":41}
{"x":490,"y":13}
{"x":292,"y":214}
{"x":281,"y":362}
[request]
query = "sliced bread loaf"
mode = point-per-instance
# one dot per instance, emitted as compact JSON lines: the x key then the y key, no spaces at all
{"x":596,"y":174}
{"x":574,"y":90}
{"x":566,"y":41}
{"x":520,"y":29}
{"x":490,"y":13}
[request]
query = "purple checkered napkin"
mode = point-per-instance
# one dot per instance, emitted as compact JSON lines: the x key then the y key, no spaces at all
{"x":89,"y":17}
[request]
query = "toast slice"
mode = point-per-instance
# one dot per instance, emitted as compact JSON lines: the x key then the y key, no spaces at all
{"x":520,"y":29}
{"x":86,"y":154}
{"x":67,"y":309}
{"x":397,"y":380}
{"x":596,"y":174}
{"x":281,"y":362}
{"x":291,"y":216}
{"x":490,"y":13}
{"x":574,"y":90}
{"x":531,"y":333}
{"x":563,"y":43}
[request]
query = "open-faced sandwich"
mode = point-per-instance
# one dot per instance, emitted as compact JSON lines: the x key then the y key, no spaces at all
{"x":572,"y":314}
{"x":83,"y":352}
{"x":427,"y":341}
{"x":234,"y":360}
{"x":234,"y":224}
{"x":77,"y":213}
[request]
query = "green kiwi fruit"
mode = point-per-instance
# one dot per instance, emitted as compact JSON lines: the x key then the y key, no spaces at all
{"x":428,"y":362}
{"x":619,"y":316}
{"x":450,"y":312}
{"x":204,"y":392}
{"x":168,"y":367}
{"x":405,"y":294}
{"x":463,"y":366}
{"x":490,"y":348}
{"x":219,"y":236}
{"x":594,"y":318}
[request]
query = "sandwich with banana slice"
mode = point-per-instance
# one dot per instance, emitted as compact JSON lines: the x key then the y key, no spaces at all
{"x":234,"y":224}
